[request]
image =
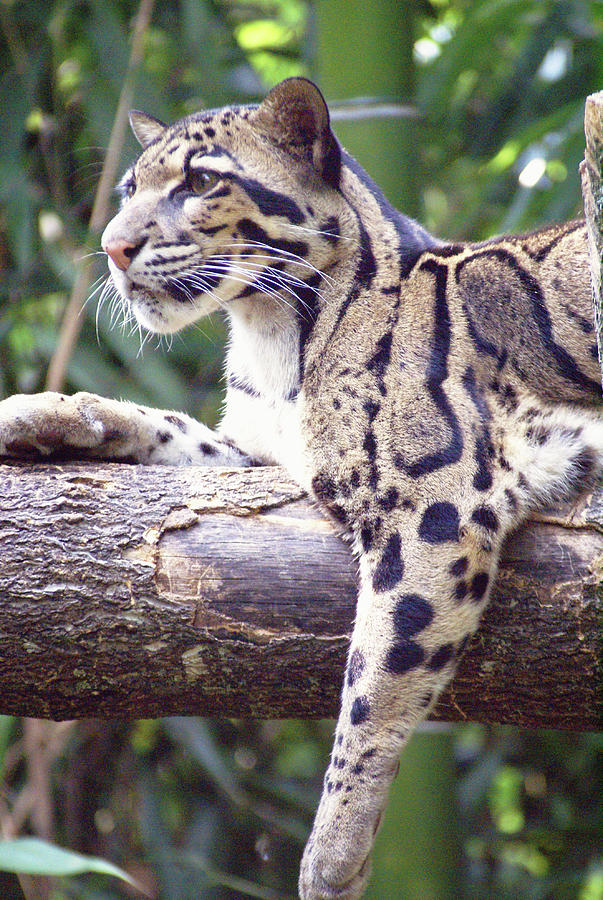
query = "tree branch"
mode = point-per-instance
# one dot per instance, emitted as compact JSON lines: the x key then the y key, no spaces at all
{"x":147,"y":591}
{"x":72,"y":320}
{"x":592,"y":192}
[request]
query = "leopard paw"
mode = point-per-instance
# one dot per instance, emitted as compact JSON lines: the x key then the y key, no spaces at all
{"x":50,"y":424}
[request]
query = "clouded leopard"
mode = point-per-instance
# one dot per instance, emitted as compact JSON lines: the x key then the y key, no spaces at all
{"x":427,"y":394}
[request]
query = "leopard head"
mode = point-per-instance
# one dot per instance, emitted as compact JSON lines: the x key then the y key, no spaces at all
{"x":227,"y":205}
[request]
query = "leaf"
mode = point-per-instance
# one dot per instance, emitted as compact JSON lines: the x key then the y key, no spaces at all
{"x":32,"y":856}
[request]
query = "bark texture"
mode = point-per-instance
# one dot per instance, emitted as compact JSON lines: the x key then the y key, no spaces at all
{"x":147,"y":591}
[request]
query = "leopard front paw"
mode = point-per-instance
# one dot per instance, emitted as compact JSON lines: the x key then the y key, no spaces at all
{"x":50,"y":424}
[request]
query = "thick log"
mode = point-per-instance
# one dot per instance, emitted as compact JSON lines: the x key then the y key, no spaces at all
{"x":148,"y":591}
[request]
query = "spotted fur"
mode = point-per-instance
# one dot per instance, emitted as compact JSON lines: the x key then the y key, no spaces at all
{"x":427,"y":394}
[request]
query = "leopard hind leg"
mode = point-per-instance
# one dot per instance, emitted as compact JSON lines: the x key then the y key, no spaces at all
{"x":417,"y":606}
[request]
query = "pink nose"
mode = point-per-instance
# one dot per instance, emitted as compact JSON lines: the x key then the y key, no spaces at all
{"x":121,"y":252}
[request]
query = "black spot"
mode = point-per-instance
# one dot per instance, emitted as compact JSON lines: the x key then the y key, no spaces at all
{"x":337,"y":511}
{"x":110,"y":434}
{"x":355,"y":478}
{"x":479,"y":585}
{"x":358,"y":769}
{"x":584,"y":462}
{"x":522,"y":481}
{"x":530,"y":414}
{"x":164,"y":437}
{"x":510,"y":397}
{"x":339,"y":763}
{"x":379,"y":362}
{"x":371,"y":407}
{"x":482,"y":480}
{"x":511,"y":499}
{"x":411,"y":615}
{"x":360,"y":711}
{"x":404,"y":656}
{"x":366,"y":536}
{"x":355,"y":666}
{"x":389,"y":500}
{"x":208,"y":449}
{"x":174,"y":420}
{"x":390,"y":567}
{"x":330,"y":229}
{"x":324,"y":487}
{"x":440,"y":523}
{"x":486,"y":517}
{"x":442,"y":656}
{"x":459,"y":566}
{"x":503,"y":462}
{"x":370,"y":445}
{"x":209,"y":131}
{"x":460,"y":590}
{"x":336,"y":403}
{"x":209,"y":230}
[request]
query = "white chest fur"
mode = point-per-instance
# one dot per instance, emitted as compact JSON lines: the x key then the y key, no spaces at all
{"x":263,"y":404}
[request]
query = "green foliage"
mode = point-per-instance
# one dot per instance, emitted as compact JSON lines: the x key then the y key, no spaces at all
{"x":30,"y":856}
{"x":219,"y":810}
{"x":62,"y":67}
{"x":502,"y":88}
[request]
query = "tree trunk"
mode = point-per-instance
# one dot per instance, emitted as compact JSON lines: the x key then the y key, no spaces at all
{"x":147,"y":591}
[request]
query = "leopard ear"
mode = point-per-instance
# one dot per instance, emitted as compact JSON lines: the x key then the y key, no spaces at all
{"x":146,"y":128}
{"x":294,"y":116}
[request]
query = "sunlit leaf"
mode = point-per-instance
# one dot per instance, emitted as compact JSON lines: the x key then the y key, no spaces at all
{"x":35,"y":857}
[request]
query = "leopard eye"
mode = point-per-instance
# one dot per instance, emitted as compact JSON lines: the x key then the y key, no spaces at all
{"x":200,"y":181}
{"x":127,"y":188}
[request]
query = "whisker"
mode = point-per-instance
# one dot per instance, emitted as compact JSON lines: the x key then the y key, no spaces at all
{"x":269,"y":282}
{"x":267,"y":287}
{"x":338,"y":237}
{"x":286,"y":255}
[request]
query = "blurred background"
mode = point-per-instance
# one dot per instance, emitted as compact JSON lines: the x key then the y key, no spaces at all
{"x":469,"y":115}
